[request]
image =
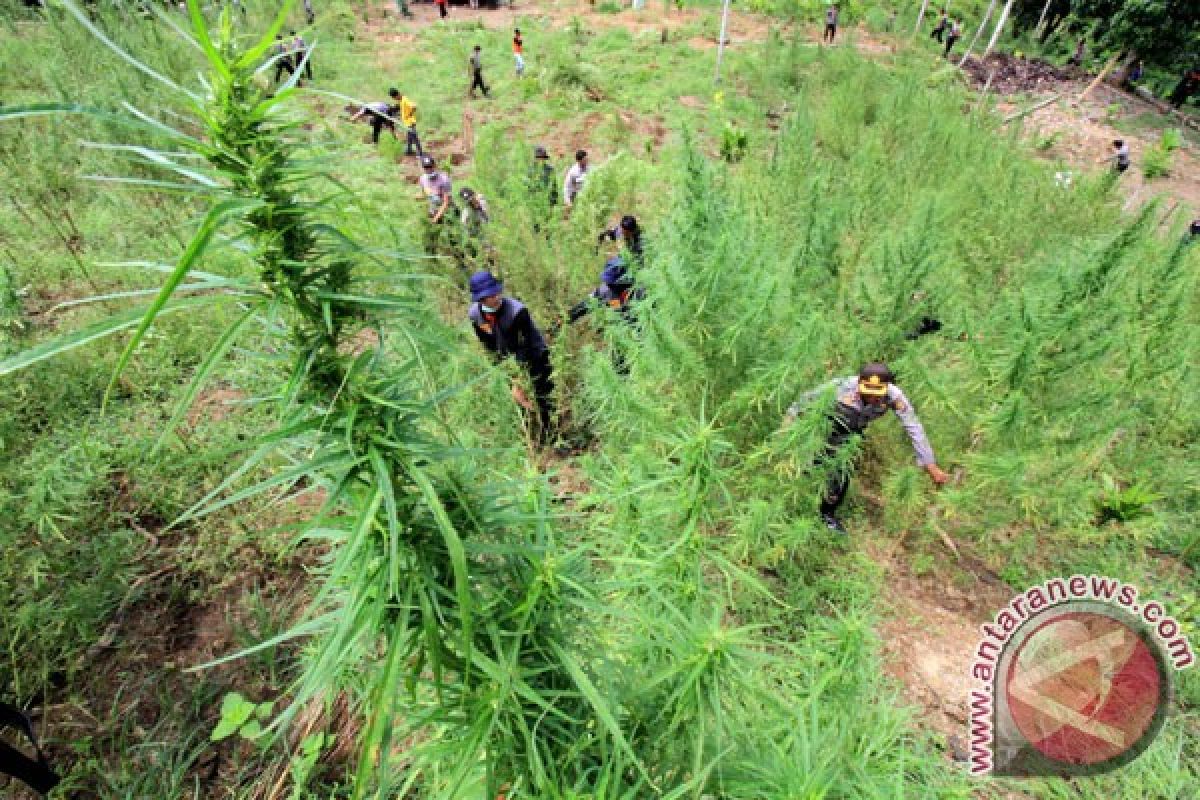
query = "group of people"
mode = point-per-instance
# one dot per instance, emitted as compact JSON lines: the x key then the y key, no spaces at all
{"x":947,"y":31}
{"x":291,"y":55}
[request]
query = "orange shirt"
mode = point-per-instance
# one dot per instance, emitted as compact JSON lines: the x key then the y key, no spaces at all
{"x":518,"y":44}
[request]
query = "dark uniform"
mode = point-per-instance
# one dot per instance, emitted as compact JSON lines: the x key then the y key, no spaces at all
{"x":509,"y":331}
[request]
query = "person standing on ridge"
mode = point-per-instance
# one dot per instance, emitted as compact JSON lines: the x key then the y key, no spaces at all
{"x":940,"y":28}
{"x":505,"y":328}
{"x":441,"y":4}
{"x":952,"y":37}
{"x":831,"y":23}
{"x":576,"y":177}
{"x":859,"y":400}
{"x":518,"y":51}
{"x":408,"y":118}
{"x":476,"y":65}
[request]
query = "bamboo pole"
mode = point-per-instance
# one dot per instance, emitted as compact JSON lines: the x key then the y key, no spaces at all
{"x":1029,"y":110}
{"x":721,"y":41}
{"x":999,"y":28}
{"x":1112,"y":62}
{"x":987,"y":16}
{"x":921,"y":16}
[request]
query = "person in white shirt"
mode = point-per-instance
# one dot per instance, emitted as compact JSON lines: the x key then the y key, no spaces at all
{"x":576,"y":176}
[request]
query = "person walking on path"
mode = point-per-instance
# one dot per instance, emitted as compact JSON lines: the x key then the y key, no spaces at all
{"x":859,"y":400}
{"x":441,"y":4}
{"x":576,"y":177}
{"x":940,"y":28}
{"x":952,"y":37}
{"x":381,"y":115}
{"x":831,"y":23}
{"x":518,"y":52}
{"x":408,"y":118}
{"x":300,"y":55}
{"x":476,"y":65}
{"x":505,"y":328}
{"x":308,"y":11}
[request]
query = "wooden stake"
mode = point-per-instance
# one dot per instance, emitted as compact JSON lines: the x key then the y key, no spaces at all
{"x":1030,"y":110}
{"x":1112,"y":62}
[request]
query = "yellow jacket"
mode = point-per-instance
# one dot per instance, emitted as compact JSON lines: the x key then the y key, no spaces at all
{"x":408,"y":112}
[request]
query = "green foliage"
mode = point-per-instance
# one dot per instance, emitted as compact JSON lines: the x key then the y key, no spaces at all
{"x":733,"y":143}
{"x":1114,"y":503}
{"x":241,"y":717}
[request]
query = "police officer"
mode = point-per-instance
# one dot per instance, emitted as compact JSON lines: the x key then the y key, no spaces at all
{"x":505,"y":328}
{"x":859,"y":400}
{"x":616,"y":291}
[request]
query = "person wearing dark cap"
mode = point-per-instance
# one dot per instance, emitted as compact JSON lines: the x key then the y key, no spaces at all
{"x":541,"y":176}
{"x":576,"y":176}
{"x":628,"y":235}
{"x":519,"y":51}
{"x":617,"y":292}
{"x":505,"y":328}
{"x":859,"y":400}
{"x":282,"y":52}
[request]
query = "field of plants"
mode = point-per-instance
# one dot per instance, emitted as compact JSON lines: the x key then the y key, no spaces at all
{"x":273,"y":526}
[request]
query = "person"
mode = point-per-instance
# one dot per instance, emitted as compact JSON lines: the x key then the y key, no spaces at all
{"x":439,"y":193}
{"x":441,"y":4}
{"x":474,"y":218}
{"x":1188,"y":85}
{"x":628,"y":234}
{"x":477,"y":72}
{"x":576,"y":176}
{"x":1137,"y":72}
{"x":952,"y":37}
{"x":408,"y":118}
{"x":616,"y":291}
{"x":1120,"y":156}
{"x":891,"y":21}
{"x":308,"y":11}
{"x":282,"y":53}
{"x":300,"y":55}
{"x":541,"y":176}
{"x":381,"y":115}
{"x":859,"y":400}
{"x":1076,"y":58}
{"x":1192,"y":236}
{"x":831,"y":21}
{"x":404,"y":10}
{"x":943,"y":20}
{"x":518,"y":51}
{"x":505,"y":328}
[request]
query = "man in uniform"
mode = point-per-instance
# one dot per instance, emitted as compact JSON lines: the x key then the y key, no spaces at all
{"x":505,"y":328}
{"x":859,"y":400}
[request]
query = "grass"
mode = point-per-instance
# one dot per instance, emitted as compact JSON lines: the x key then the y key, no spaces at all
{"x":699,"y":631}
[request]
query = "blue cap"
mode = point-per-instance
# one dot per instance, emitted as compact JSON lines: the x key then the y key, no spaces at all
{"x":484,"y":284}
{"x":614,"y":271}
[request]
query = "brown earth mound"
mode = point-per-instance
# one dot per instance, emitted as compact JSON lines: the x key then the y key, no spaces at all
{"x":1014,"y":75}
